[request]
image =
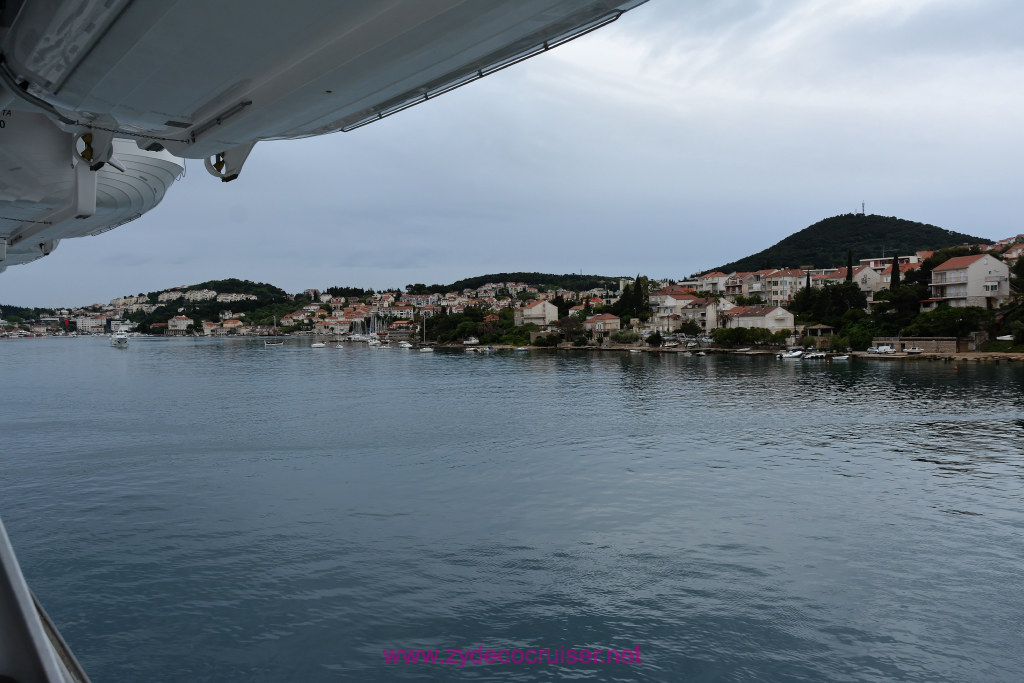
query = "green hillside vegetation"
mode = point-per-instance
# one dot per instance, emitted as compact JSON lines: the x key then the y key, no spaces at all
{"x":271,"y":302}
{"x":826,"y":243}
{"x":455,"y":327}
{"x":569,"y":281}
{"x":235,"y":286}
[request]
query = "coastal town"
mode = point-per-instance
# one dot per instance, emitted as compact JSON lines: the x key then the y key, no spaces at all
{"x":771,"y":307}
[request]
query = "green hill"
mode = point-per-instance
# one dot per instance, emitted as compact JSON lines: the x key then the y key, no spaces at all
{"x":236,"y":286}
{"x":825,"y":243}
{"x":568,"y":281}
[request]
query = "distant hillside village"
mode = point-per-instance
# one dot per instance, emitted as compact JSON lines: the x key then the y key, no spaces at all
{"x":954,"y":292}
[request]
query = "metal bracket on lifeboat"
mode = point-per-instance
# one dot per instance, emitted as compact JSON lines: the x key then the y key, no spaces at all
{"x":95,"y":147}
{"x":227,"y":165}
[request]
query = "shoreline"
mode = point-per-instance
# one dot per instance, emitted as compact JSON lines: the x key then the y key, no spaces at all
{"x":977,"y":356}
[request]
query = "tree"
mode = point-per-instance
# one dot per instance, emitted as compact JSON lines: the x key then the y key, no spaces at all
{"x":655,"y":339}
{"x":828,"y":304}
{"x":894,"y":281}
{"x":635,"y":300}
{"x":1017,"y":274}
{"x":849,"y":265}
{"x":895,"y":309}
{"x":947,"y":321}
{"x":690,"y":328}
{"x":570,"y":326}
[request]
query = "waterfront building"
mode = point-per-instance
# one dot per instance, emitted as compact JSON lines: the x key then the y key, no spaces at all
{"x":602,"y":325}
{"x":540,"y":313}
{"x":178,"y":325}
{"x":976,"y":280}
{"x":771,"y":318}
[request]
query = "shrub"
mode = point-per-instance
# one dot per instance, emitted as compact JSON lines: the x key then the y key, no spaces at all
{"x":623,"y":337}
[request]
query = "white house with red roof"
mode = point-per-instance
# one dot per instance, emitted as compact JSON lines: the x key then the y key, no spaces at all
{"x":602,"y":325}
{"x":677,"y":292}
{"x":976,"y":280}
{"x":756,"y":283}
{"x":868,"y":279}
{"x":540,"y":313}
{"x":772,"y":318}
{"x":713,"y":282}
{"x":401,"y":312}
{"x":783,"y":284}
{"x":880,"y":263}
{"x":178,"y":325}
{"x":734,"y":284}
{"x":1013,"y":252}
{"x":666,"y":309}
{"x":886,"y":273}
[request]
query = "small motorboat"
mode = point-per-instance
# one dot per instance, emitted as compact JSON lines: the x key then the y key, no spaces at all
{"x":318,"y":345}
{"x":792,"y":355}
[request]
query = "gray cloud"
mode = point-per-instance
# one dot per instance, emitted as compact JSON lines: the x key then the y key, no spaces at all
{"x":683,"y":136}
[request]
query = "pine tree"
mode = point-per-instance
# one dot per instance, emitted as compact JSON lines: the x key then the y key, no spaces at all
{"x":894,"y":282}
{"x":849,"y":266}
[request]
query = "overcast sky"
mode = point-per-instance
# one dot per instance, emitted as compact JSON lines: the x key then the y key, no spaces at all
{"x":683,"y":136}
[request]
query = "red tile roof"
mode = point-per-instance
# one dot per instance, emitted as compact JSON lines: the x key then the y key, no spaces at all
{"x":959,"y":262}
{"x":750,"y":311}
{"x":904,"y":267}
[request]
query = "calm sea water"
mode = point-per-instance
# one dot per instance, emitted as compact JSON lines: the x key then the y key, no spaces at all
{"x":213,"y":510}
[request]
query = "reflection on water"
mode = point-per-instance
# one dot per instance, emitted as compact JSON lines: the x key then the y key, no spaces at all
{"x":216,"y":510}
